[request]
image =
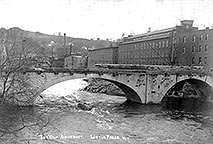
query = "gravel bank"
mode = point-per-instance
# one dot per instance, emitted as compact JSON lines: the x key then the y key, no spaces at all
{"x":102,"y":86}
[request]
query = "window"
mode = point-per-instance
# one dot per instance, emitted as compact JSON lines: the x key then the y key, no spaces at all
{"x":193,"y":48}
{"x":201,"y":37}
{"x":206,"y":48}
{"x":205,"y":60}
{"x":159,"y":44}
{"x":167,"y":43}
{"x":163,"y":54}
{"x":162,"y":43}
{"x":156,"y":45}
{"x":194,"y":38}
{"x":199,"y":60}
{"x":200,"y":48}
{"x":184,"y":39}
{"x":175,"y":53}
{"x":174,"y":40}
{"x":193,"y":60}
{"x":207,"y":36}
{"x":155,"y":54}
{"x":184,"y":50}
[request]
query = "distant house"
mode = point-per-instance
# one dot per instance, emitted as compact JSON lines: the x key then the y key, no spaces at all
{"x":59,"y":62}
{"x":75,"y":61}
{"x":106,"y":55}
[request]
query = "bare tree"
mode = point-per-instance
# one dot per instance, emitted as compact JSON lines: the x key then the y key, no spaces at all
{"x":16,"y":53}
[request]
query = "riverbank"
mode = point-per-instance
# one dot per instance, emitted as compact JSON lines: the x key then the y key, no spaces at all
{"x":101,"y":86}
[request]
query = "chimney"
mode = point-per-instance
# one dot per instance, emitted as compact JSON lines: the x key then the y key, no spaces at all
{"x":187,"y":23}
{"x":149,"y":29}
{"x":71,"y":48}
{"x":65,"y":44}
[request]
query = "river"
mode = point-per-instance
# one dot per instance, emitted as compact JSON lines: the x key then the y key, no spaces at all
{"x":66,"y":115}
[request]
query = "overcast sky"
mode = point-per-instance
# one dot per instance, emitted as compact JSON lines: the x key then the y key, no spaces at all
{"x":102,"y":18}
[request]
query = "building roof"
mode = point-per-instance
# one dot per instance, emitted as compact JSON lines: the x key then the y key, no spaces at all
{"x":154,"y":32}
{"x":164,"y":33}
{"x":113,"y":47}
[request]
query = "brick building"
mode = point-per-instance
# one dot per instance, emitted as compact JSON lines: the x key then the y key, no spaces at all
{"x":107,"y":55}
{"x":194,"y":47}
{"x":179,"y":45}
{"x":149,"y":48}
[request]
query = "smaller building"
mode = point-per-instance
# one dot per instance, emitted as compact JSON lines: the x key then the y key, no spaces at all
{"x":107,"y":55}
{"x":58,"y":62}
{"x":75,"y":61}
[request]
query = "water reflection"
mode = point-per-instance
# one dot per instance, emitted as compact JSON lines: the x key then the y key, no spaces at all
{"x":45,"y":124}
{"x":16,"y":119}
{"x":83,"y":117}
{"x":25,"y":124}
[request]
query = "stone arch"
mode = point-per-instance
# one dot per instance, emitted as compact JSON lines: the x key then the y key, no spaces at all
{"x":189,"y":88}
{"x":201,"y":87}
{"x":60,"y":80}
{"x":128,"y":91}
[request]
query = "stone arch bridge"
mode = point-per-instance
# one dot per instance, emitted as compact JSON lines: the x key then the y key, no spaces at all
{"x":138,"y":85}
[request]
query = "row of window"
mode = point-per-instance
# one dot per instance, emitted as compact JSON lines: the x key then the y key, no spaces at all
{"x":200,"y":47}
{"x":144,"y":54}
{"x":200,"y":61}
{"x":194,"y":38}
{"x":143,"y":61}
{"x":154,"y":36}
{"x":145,"y":45}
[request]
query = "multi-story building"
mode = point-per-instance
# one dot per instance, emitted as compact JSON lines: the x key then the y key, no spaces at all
{"x":149,"y":48}
{"x":179,"y":45}
{"x":107,"y":55}
{"x":194,"y":47}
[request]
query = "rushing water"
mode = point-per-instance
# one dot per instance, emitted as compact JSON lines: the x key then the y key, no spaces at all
{"x":66,"y":115}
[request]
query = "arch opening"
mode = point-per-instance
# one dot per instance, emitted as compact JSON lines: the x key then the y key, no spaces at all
{"x":189,"y":95}
{"x":63,"y":88}
{"x":128,"y":92}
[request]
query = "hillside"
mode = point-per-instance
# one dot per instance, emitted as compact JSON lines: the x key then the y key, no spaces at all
{"x":43,"y":40}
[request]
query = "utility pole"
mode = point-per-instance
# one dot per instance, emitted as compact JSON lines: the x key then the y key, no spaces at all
{"x":22,"y":45}
{"x":71,"y":46}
